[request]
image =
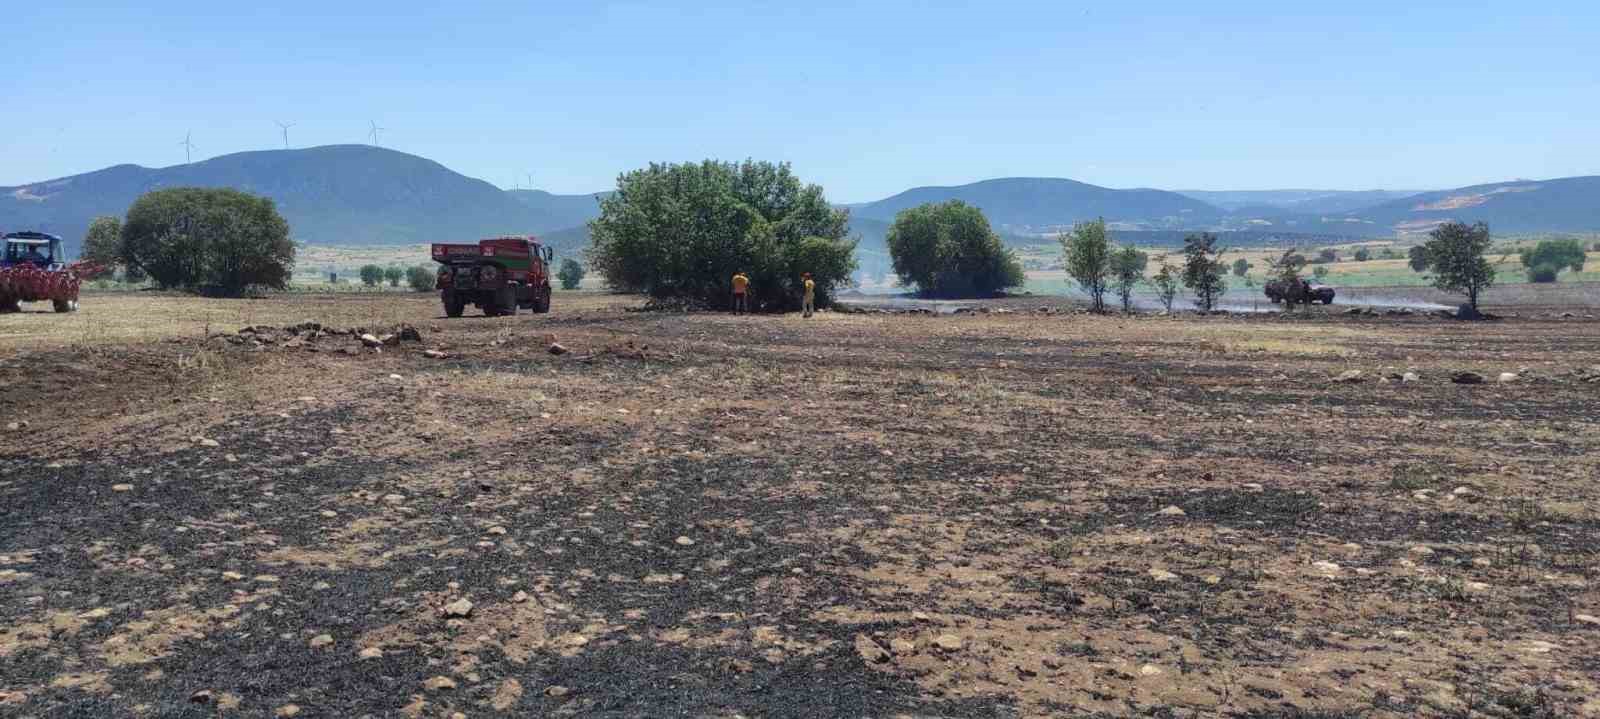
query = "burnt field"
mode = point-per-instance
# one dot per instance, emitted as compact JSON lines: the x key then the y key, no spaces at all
{"x":1019,"y":513}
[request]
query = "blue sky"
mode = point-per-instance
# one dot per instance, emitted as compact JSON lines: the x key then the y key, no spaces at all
{"x":865,"y":98}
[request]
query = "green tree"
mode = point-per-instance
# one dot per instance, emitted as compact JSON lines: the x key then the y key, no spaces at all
{"x":948,"y":250}
{"x":1320,"y":272}
{"x":1127,"y":270}
{"x":1417,"y":257}
{"x":208,"y":239}
{"x":1455,"y":253}
{"x":1547,"y":259}
{"x":420,"y":278}
{"x":1203,"y":270}
{"x":1363,"y":254}
{"x":1166,"y":284}
{"x":1327,"y":254}
{"x":1086,"y":251}
{"x":371,"y":275}
{"x":683,"y":230}
{"x":1241,"y":267}
{"x":393,"y":275}
{"x":102,"y":244}
{"x":571,"y":274}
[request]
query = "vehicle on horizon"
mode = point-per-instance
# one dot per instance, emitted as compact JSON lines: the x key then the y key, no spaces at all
{"x":1307,"y":293}
{"x":33,"y":268}
{"x":498,"y":275}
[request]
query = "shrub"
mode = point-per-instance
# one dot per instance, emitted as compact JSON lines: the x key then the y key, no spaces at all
{"x":209,"y":239}
{"x":1363,"y":254}
{"x":682,"y":231}
{"x":1543,"y":273}
{"x":1202,"y":270}
{"x":1547,"y":259}
{"x":420,"y":278}
{"x":371,"y":275}
{"x":1087,"y":254}
{"x":1241,"y":267}
{"x":1320,"y":272}
{"x":393,"y":275}
{"x":571,"y":274}
{"x":948,"y":250}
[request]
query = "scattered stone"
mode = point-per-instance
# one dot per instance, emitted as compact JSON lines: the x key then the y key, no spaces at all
{"x":288,"y":710}
{"x":556,"y":690}
{"x":122,"y":488}
{"x":321,"y":640}
{"x":371,"y":340}
{"x":204,"y":696}
{"x":14,"y":426}
{"x":1410,"y":377}
{"x":370,"y":653}
{"x":232,"y":576}
{"x":1467,"y":378}
{"x":1150,"y":670}
{"x":1326,"y":567}
{"x":1421,"y":550}
{"x":497,"y":530}
{"x":902,"y":646}
{"x":948,"y":642}
{"x":408,"y":333}
{"x":870,"y":651}
{"x":1349,"y":376}
{"x":458,"y":608}
{"x":1162,"y":575}
{"x":96,"y":613}
{"x":921,"y":616}
{"x":206,"y":442}
{"x":1589,"y":619}
{"x":519,"y":597}
{"x":684,"y":541}
{"x":440,"y":683}
{"x":1507,"y":377}
{"x":328,"y":514}
{"x":1172,"y":511}
{"x":556,"y":348}
{"x":434,"y":354}
{"x":1482,"y":562}
{"x":1476,"y":587}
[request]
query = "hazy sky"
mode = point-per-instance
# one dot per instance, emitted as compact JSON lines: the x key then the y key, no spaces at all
{"x":867,"y":98}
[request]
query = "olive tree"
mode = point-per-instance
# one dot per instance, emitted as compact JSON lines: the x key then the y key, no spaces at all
{"x":1548,"y":258}
{"x":1166,"y":282}
{"x":1203,"y":270}
{"x":571,"y":274}
{"x":420,"y":278}
{"x":1455,"y":253}
{"x":1087,"y":253}
{"x":1127,"y":270}
{"x":371,"y":275}
{"x":947,"y":249}
{"x":208,"y":239}
{"x":393,"y":275}
{"x":681,"y":231}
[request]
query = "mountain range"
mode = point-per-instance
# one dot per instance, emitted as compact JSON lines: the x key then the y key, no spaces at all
{"x":365,"y":195}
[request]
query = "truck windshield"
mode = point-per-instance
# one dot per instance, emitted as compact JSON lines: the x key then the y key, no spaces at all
{"x":28,"y":251}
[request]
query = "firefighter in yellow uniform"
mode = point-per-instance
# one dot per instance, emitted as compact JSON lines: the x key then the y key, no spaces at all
{"x":741,"y":286}
{"x":809,"y":304}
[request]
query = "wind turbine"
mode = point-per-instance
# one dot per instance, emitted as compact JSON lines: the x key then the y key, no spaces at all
{"x":374,"y":133}
{"x":285,"y":128}
{"x":187,"y":147}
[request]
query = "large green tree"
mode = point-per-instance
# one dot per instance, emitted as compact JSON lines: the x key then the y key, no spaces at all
{"x":571,"y":274}
{"x":683,"y":230}
{"x":1127,"y":271}
{"x":1455,"y":253}
{"x":947,"y":249}
{"x":208,"y":239}
{"x":1087,"y":252}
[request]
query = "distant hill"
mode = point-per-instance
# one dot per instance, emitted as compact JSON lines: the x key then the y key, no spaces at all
{"x":1295,"y":201}
{"x":1021,"y":203}
{"x":333,"y":195}
{"x":1568,"y":204}
{"x":558,"y":212}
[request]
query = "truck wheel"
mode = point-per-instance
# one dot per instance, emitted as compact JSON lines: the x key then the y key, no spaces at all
{"x":453,"y":305}
{"x":65,"y":305}
{"x":541,"y":302}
